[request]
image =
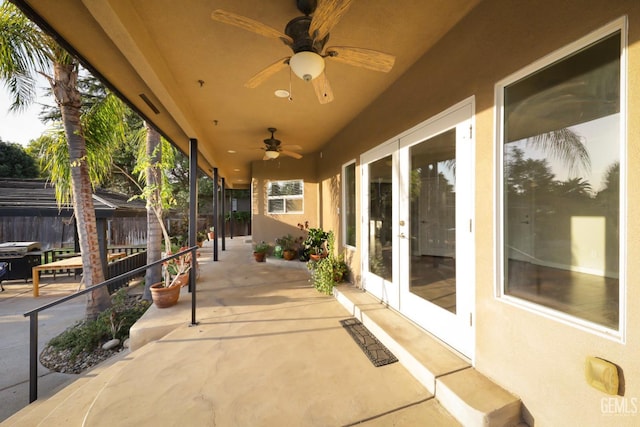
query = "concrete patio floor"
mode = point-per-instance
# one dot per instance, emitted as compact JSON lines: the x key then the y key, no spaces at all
{"x":268,"y":350}
{"x":14,"y":336}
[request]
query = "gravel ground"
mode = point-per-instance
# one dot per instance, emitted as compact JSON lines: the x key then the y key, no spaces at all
{"x":63,"y":362}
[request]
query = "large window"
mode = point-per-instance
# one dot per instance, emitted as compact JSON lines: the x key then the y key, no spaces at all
{"x":561,"y":146}
{"x":349,"y":203}
{"x":285,"y":196}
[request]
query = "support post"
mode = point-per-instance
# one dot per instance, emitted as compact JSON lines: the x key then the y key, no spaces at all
{"x":193,"y":221}
{"x":101,"y":230}
{"x":224,"y":215}
{"x":216,"y":220}
{"x":33,"y":357}
{"x":232,"y":211}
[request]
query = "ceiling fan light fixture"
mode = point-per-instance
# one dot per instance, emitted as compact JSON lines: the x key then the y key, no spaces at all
{"x":272,"y":154}
{"x":307,"y":65}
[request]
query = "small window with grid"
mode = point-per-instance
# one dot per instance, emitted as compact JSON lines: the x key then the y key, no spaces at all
{"x":285,"y":196}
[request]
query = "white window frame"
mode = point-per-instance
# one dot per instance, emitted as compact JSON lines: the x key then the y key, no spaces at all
{"x":285,"y":198}
{"x":618,"y":335}
{"x":343,"y":211}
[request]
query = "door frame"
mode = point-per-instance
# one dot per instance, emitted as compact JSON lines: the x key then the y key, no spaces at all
{"x":456,"y":329}
{"x":387,"y":292}
{"x":391,"y":292}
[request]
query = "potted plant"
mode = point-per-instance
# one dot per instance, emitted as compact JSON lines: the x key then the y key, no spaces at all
{"x":178,"y":270}
{"x":288,"y":245}
{"x":260,"y":251}
{"x":201,"y":235}
{"x":326,"y":272}
{"x":315,"y":243}
{"x":176,"y":275}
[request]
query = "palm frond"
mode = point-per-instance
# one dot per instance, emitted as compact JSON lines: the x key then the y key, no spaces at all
{"x":24,"y":51}
{"x":566,"y":146}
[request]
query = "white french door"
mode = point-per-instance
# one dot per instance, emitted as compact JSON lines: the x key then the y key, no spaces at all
{"x":417,"y":239}
{"x":379,"y":223}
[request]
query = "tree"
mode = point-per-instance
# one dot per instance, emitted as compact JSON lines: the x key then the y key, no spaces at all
{"x":525,"y":176}
{"x":26,"y":51}
{"x":574,"y":188}
{"x":154,"y":158}
{"x":15,"y":162}
{"x":155,"y":229}
{"x":566,"y":146}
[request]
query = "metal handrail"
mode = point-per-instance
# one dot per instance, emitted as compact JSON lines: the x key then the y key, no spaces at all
{"x":33,"y":314}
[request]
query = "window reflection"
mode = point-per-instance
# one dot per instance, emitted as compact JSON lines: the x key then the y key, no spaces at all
{"x":561,"y":177}
{"x":380,"y":217}
{"x":433,"y":220}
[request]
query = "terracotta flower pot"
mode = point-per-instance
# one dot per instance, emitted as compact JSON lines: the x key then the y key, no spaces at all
{"x":316,"y":257}
{"x":164,"y":297}
{"x":182,"y":280}
{"x":289,"y":254}
{"x":259,"y":256}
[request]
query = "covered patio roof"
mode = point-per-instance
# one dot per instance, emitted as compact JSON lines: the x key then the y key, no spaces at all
{"x":186,"y":72}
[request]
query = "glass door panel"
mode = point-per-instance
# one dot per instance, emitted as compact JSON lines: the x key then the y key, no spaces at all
{"x":380,"y":200}
{"x":432,"y":216}
{"x":380,"y":260}
{"x":436,"y":216}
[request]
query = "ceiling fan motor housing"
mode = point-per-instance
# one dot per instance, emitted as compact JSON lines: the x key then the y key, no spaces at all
{"x":298,"y":30}
{"x":272,"y":143}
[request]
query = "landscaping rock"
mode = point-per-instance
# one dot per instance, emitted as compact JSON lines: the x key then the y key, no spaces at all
{"x":111,"y":344}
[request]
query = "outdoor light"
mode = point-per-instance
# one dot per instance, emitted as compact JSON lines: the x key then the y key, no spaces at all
{"x":272,"y":154}
{"x":307,"y":65}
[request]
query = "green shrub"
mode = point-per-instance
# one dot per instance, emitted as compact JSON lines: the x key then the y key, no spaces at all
{"x":114,"y":322}
{"x":328,"y":271}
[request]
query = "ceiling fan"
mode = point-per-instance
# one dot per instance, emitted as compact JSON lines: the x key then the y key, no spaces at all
{"x":273,"y":148}
{"x":306,"y":36}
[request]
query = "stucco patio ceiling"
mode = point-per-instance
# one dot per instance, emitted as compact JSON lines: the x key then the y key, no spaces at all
{"x":192,"y":69}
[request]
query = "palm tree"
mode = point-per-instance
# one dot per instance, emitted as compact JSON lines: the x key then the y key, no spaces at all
{"x":26,"y":51}
{"x":155,"y":157}
{"x":564,"y":145}
{"x":155,"y":230}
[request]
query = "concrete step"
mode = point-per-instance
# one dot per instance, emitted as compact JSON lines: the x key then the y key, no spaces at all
{"x":476,"y":400}
{"x":68,"y":405}
{"x":472,"y":398}
{"x":158,"y":322}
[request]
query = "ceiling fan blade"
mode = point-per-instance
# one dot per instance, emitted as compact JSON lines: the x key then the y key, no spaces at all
{"x":323,"y":89}
{"x":366,"y":58}
{"x":291,"y":147}
{"x":326,"y":16}
{"x":269,"y":71}
{"x":249,"y":25}
{"x":291,"y":154}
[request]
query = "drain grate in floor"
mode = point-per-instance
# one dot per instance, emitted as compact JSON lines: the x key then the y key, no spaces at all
{"x":375,"y":351}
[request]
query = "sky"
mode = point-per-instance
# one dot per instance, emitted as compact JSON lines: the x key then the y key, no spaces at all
{"x":600,"y":138}
{"x":20,"y":127}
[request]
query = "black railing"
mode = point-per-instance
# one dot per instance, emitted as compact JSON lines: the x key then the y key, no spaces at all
{"x":128,"y":249}
{"x":119,"y":267}
{"x":33,"y":314}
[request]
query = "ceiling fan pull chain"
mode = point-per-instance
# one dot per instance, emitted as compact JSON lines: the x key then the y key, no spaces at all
{"x":290,"y":87}
{"x":324,"y":85}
